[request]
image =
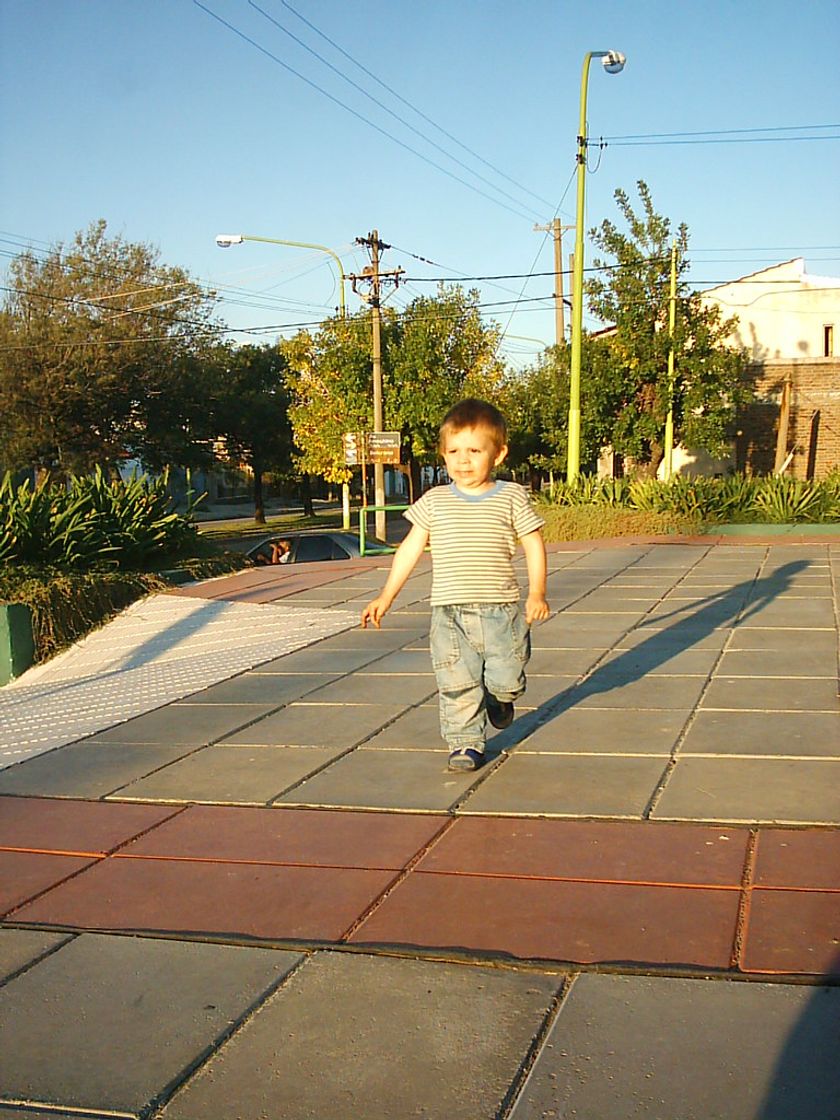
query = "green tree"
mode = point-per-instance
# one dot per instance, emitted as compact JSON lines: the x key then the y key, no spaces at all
{"x":250,"y":414}
{"x":101,"y":351}
{"x":632,"y":389}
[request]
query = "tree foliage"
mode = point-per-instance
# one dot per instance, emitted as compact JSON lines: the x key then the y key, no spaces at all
{"x":101,"y":356}
{"x":632,"y":388}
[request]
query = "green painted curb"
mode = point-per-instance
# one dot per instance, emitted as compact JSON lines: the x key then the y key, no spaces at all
{"x":757,"y":529}
{"x":17,"y":646}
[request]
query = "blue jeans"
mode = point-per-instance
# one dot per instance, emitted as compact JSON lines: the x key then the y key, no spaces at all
{"x":476,"y":647}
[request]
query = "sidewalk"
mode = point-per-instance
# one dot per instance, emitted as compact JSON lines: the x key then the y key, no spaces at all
{"x":237,"y":880}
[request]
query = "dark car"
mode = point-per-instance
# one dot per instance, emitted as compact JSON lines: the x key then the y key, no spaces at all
{"x":303,"y":547}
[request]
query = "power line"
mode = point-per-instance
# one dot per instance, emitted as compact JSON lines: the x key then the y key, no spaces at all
{"x":355,"y":113}
{"x":719,"y":132}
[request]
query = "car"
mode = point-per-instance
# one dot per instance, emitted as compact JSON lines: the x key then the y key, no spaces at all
{"x":308,"y":546}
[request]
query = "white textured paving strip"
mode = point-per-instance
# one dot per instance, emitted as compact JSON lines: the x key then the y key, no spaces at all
{"x":158,"y":650}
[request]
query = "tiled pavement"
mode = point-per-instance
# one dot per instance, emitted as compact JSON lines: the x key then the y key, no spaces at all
{"x":269,"y":898}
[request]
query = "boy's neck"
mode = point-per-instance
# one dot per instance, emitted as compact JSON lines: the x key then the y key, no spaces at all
{"x":481,"y":488}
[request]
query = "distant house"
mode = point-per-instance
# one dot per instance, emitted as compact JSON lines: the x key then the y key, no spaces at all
{"x":788,"y":322}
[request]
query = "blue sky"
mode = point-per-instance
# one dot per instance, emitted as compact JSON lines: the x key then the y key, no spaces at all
{"x":157,"y":117}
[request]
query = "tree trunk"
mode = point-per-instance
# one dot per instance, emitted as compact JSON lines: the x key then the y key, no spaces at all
{"x":413,"y":480}
{"x":259,"y":503}
{"x":306,"y":495}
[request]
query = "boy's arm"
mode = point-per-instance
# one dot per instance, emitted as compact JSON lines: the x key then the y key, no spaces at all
{"x":536,"y":607}
{"x":402,"y":566}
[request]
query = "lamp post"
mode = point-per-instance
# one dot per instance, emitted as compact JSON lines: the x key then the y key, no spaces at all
{"x":613,"y":63}
{"x":225,"y":240}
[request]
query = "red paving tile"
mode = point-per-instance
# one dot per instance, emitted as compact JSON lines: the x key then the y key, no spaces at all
{"x":793,"y":932}
{"x":228,"y":900}
{"x":635,"y":852}
{"x":549,"y":920}
{"x":319,"y":837}
{"x":25,"y":874}
{"x":798,"y":858}
{"x":84,"y":827}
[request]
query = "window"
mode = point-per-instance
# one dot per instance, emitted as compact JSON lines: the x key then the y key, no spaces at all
{"x":828,"y":340}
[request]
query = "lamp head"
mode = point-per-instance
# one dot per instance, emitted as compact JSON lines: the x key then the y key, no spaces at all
{"x":613,"y":62}
{"x":225,"y":240}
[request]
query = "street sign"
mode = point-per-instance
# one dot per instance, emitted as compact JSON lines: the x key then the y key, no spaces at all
{"x":354,"y":448}
{"x":384,"y":447}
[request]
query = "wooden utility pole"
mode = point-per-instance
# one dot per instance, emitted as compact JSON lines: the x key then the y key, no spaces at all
{"x":373,"y":297}
{"x":782,"y":456}
{"x":556,"y":230}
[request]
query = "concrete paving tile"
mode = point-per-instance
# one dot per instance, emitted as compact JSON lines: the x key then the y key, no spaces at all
{"x":260,"y":692}
{"x":568,"y":786}
{"x":316,"y":660}
{"x":73,"y":826}
{"x":777,"y":663}
{"x":657,"y":660}
{"x":607,"y":731}
{"x":624,"y":852}
{"x":368,"y":688}
{"x":791,"y":639}
{"x":659,"y":638}
{"x":615,"y":686}
{"x":802,"y":734}
{"x":796,"y":613}
{"x":314,"y":837}
{"x":572,"y":637}
{"x":26,"y":874}
{"x":645,"y":1046}
{"x":20,"y":947}
{"x":773,"y":694}
{"x":37,"y":1114}
{"x":377,"y":779}
{"x":375,"y":1038}
{"x":403,"y":661}
{"x":419,"y":729}
{"x":793,"y":932}
{"x":798,"y":858}
{"x":563,"y":662}
{"x":372,"y":640}
{"x":194,"y":725}
{"x":748,"y":790}
{"x":86,"y":769}
{"x":313,"y":725}
{"x":559,"y":921}
{"x":544,"y":690}
{"x":231,"y":900}
{"x":228,"y":774}
{"x":150,"y":1010}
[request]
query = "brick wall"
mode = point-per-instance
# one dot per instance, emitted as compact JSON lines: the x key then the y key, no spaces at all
{"x":814,"y":427}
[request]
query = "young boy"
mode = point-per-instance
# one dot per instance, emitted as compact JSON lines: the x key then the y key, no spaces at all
{"x":480,"y":636}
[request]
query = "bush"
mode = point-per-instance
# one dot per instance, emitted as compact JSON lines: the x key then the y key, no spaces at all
{"x":586,"y":523}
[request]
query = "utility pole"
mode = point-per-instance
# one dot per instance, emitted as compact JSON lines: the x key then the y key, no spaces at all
{"x":557,"y":230}
{"x":373,"y":297}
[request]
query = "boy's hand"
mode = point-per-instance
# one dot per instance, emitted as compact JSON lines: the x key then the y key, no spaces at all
{"x":536,"y":609}
{"x":374,"y":612}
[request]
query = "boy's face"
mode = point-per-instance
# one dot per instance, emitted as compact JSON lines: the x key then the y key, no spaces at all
{"x":470,"y":455}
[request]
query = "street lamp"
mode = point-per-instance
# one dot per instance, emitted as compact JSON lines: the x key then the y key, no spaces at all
{"x":225,"y":240}
{"x":613,"y":63}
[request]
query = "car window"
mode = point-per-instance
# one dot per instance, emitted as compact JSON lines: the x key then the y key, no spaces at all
{"x":314,"y":548}
{"x":339,"y":552}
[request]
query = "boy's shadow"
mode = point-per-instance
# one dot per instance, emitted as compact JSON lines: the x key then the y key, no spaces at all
{"x":733,"y":606}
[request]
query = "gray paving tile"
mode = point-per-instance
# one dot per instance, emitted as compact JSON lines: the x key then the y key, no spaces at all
{"x":317,"y":660}
{"x":230,"y":775}
{"x":573,"y":637}
{"x":262,"y":692}
{"x":19,"y":947}
{"x":804,"y":662}
{"x":194,"y":725}
{"x":419,"y":729}
{"x":555,"y":785}
{"x":563,"y":662}
{"x":607,"y":731}
{"x":752,"y":789}
{"x":370,"y":688}
{"x":790,"y":639}
{"x":375,"y":1038}
{"x":797,"y":694}
{"x":806,"y":734}
{"x":661,"y":660}
{"x":671,"y":1049}
{"x":679,"y":638}
{"x":86,"y":769}
{"x":318,"y":725}
{"x":544,"y":690}
{"x":377,"y":641}
{"x":611,"y":688}
{"x":403,"y":661}
{"x":112,"y":1023}
{"x":794,"y":613}
{"x":377,"y":779}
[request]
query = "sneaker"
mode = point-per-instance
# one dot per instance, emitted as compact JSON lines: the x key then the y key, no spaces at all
{"x":499,"y":712}
{"x":465,"y":758}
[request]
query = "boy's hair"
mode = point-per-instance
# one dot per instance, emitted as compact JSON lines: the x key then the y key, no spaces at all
{"x":473,"y":413}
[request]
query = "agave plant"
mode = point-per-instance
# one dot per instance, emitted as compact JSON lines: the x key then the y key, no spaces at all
{"x":789,"y":499}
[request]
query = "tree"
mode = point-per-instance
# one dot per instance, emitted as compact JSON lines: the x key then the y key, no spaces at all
{"x":632,"y":390}
{"x":101,"y":352}
{"x":250,"y":413}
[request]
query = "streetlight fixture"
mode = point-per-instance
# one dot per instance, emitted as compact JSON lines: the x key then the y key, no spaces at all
{"x":225,"y":240}
{"x":613,"y":63}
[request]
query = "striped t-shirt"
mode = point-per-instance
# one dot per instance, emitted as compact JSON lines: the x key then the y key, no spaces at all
{"x":473,"y":539}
